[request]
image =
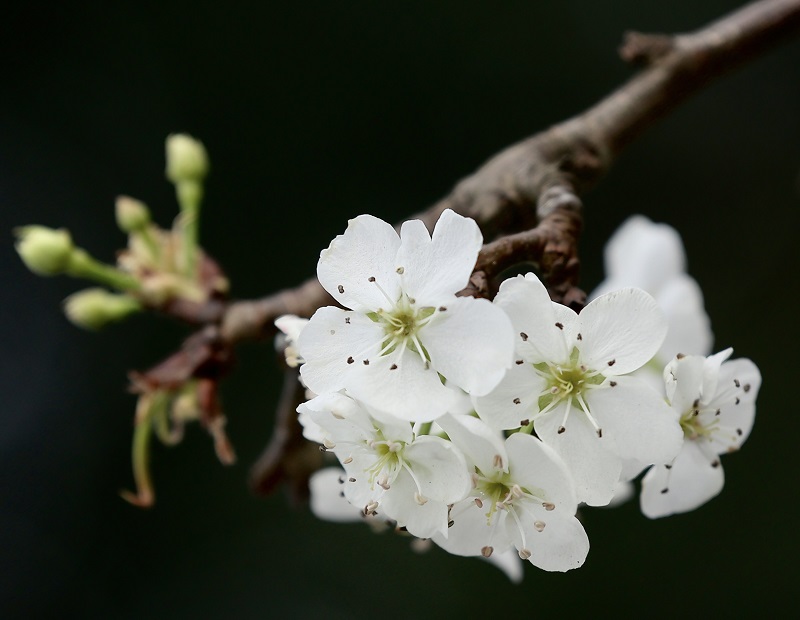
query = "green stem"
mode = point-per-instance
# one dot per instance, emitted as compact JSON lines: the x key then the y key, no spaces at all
{"x":83,"y":265}
{"x":190,"y":195}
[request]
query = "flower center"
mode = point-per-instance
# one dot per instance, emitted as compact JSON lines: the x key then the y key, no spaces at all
{"x":402,"y":324}
{"x":568,"y":383}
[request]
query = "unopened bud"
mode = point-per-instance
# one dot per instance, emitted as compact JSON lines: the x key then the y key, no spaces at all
{"x":44,"y":251}
{"x":132,"y":215}
{"x":186,"y":159}
{"x":93,"y":308}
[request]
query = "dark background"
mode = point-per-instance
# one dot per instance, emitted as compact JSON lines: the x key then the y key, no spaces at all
{"x":313,"y":115}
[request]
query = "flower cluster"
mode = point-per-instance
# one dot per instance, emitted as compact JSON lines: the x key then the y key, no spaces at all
{"x":483,"y":425}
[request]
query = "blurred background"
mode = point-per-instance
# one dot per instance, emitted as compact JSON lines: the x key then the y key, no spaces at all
{"x":313,"y":113}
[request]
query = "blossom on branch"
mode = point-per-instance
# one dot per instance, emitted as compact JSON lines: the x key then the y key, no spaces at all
{"x":407,"y":342}
{"x":570,"y":381}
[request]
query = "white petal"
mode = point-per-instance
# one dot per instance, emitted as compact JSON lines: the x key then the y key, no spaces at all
{"x":621,"y":331}
{"x":637,"y":420}
{"x":411,"y":391}
{"x":689,"y":326}
{"x":689,"y":483}
{"x":471,"y":344}
{"x":533,"y":316}
{"x":514,"y":400}
{"x":422,"y":520}
{"x":594,"y":467}
{"x":534,"y":465}
{"x":480,"y":444}
{"x":331,"y":339}
{"x":440,"y":469}
{"x":367,"y":249}
{"x":327,"y":501}
{"x":684,"y":381}
{"x":711,"y":371}
{"x":561,"y":546}
{"x":736,"y":405}
{"x":643,"y":254}
{"x":436,"y":268}
{"x":471,"y":531}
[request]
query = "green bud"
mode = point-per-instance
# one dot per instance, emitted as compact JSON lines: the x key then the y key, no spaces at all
{"x":132,"y":215}
{"x":93,"y":308}
{"x":186,"y":159}
{"x":44,"y":251}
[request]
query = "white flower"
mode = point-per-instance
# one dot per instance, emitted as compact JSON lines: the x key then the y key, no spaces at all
{"x":522,"y":497}
{"x":410,"y":479}
{"x":715,"y":400}
{"x":651,"y":257}
{"x":569,"y":381}
{"x":405,"y":329}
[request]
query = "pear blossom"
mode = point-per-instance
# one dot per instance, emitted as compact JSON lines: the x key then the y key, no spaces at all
{"x":290,"y":326}
{"x":406,"y":342}
{"x":522,"y":497}
{"x":715,"y":399}
{"x":409,"y":478}
{"x":570,"y":380}
{"x":651,"y":256}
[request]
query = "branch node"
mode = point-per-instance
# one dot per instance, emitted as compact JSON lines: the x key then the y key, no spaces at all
{"x":645,"y":49}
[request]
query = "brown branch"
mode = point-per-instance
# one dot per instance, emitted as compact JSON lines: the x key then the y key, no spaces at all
{"x":510,"y":191}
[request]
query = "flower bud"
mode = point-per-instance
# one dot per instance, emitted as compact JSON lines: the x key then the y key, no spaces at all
{"x":44,"y":251}
{"x":132,"y":215}
{"x":186,"y":159}
{"x":93,"y":308}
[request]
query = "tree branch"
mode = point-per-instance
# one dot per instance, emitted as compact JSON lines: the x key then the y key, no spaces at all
{"x":515,"y":189}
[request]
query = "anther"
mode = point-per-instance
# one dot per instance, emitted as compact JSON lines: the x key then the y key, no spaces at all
{"x":350,"y":360}
{"x":486,"y":551}
{"x":333,"y":331}
{"x":737,"y":401}
{"x":739,"y":432}
{"x":560,"y":325}
{"x":524,"y":422}
{"x":612,"y":362}
{"x":600,"y":433}
{"x":539,"y":525}
{"x":478,"y":502}
{"x":451,"y":523}
{"x":400,"y":270}
{"x":561,"y":430}
{"x":338,"y":416}
{"x":524,"y":554}
{"x":419,"y":499}
{"x":736,"y":383}
{"x":668,"y":466}
{"x":524,"y":337}
{"x":612,"y":383}
{"x":442,"y":309}
{"x":341,"y":288}
{"x":680,"y":356}
{"x":328,"y":443}
{"x":715,"y":463}
{"x":348,"y":460}
{"x":580,"y":337}
{"x":517,"y":401}
{"x":371,"y":278}
{"x":393,"y":367}
{"x":347,"y":320}
{"x":519,"y":362}
{"x":366,"y":362}
{"x":696,"y":403}
{"x":746,"y":387}
{"x":351,"y":479}
{"x":548,"y":506}
{"x":664,"y":490}
{"x":718,"y":411}
{"x":498,"y":461}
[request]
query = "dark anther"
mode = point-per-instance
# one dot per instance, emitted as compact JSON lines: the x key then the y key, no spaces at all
{"x":524,"y":336}
{"x":372,"y":278}
{"x":341,"y":288}
{"x":517,"y":401}
{"x":612,"y":362}
{"x":350,"y":360}
{"x":560,"y":325}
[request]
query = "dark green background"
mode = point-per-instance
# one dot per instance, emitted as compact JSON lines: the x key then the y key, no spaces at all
{"x":312,"y":115}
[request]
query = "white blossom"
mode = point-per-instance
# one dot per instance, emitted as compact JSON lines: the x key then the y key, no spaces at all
{"x":389,"y":469}
{"x":650,"y":256}
{"x":715,"y":400}
{"x":570,"y":380}
{"x":522,"y":497}
{"x":405,"y":330}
